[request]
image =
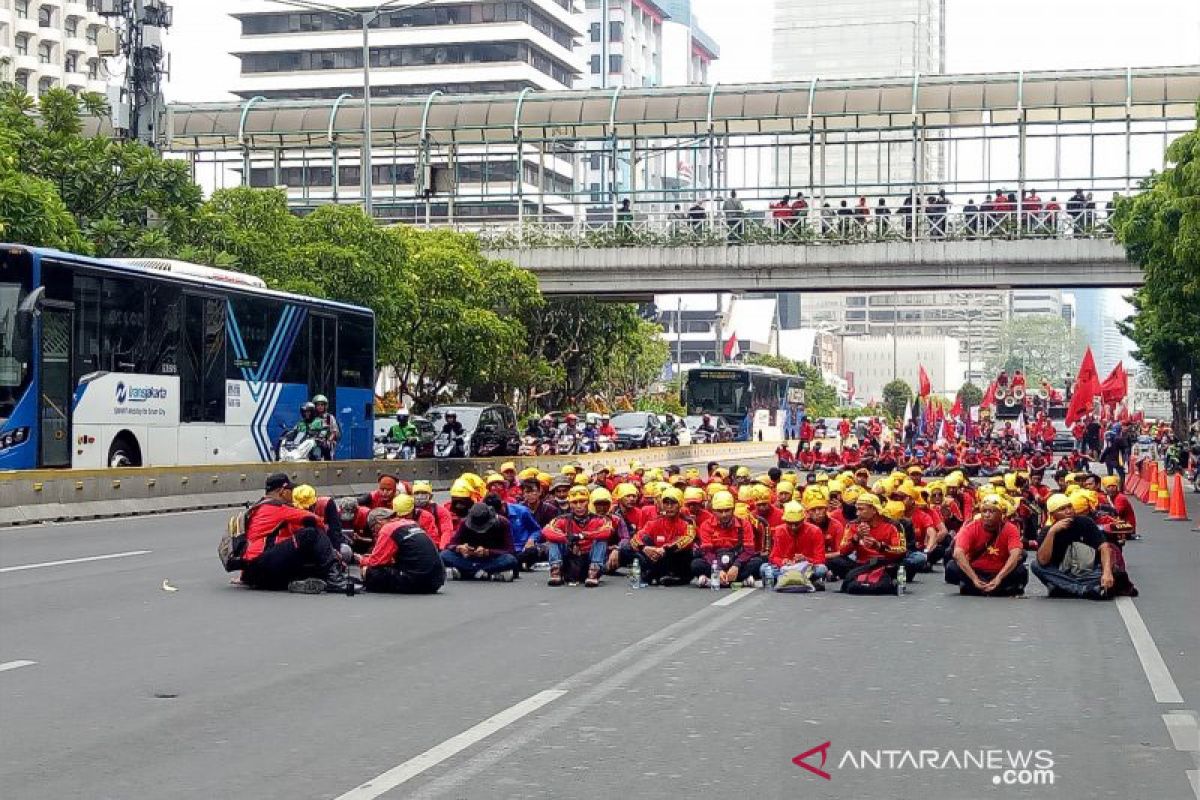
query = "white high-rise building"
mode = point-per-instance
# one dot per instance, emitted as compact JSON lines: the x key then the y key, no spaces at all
{"x":447,"y":46}
{"x":47,"y":44}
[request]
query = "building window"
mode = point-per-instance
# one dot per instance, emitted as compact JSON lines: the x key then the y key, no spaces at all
{"x":23,"y":80}
{"x":71,"y":64}
{"x":615,"y":63}
{"x":22,"y":44}
{"x":616,"y":31}
{"x":45,"y":52}
{"x":72,"y":27}
{"x":91,"y":34}
{"x":45,"y":85}
{"x":93,"y":70}
{"x":595,"y":65}
{"x":22,"y":8}
{"x":45,"y":17}
{"x":595,"y":31}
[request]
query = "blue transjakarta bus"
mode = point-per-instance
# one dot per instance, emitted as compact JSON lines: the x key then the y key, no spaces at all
{"x":760,"y":403}
{"x":149,"y":362}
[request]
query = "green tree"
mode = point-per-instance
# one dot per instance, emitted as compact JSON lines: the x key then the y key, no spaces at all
{"x":1160,"y":229}
{"x":636,"y":362}
{"x":896,"y":396}
{"x":1041,"y":346}
{"x":970,"y":395}
{"x":119,"y":193}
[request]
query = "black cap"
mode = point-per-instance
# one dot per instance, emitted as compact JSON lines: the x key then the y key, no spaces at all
{"x":277,"y":481}
{"x":480,"y":518}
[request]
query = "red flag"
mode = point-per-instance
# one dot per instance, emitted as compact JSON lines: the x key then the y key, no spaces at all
{"x":923,"y":377}
{"x":1087,"y":386}
{"x":732,"y":350}
{"x":956,"y":410}
{"x":989,"y":397}
{"x":1115,"y":386}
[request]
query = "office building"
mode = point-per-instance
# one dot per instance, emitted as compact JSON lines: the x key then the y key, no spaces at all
{"x":47,"y":44}
{"x":872,"y":362}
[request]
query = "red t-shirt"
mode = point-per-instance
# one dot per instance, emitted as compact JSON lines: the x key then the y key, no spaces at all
{"x":973,"y":539}
{"x":808,"y":545}
{"x":921,"y":522}
{"x":884,"y":532}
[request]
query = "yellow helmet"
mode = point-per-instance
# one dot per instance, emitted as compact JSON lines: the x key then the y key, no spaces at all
{"x":694,"y":494}
{"x":793,"y":512}
{"x":1010,"y":481}
{"x":867,"y":499}
{"x":741,"y":511}
{"x":745,"y":494}
{"x":528,"y":474}
{"x":652,"y":489}
{"x":1110,"y":480}
{"x":422,"y":487}
{"x":722,"y":501}
{"x":955,"y":480}
{"x":815,"y":500}
{"x":893,"y":509}
{"x":836,"y":486}
{"x":1080,"y":503}
{"x":691,"y":472}
{"x":508,"y":466}
{"x":1057,"y":502}
{"x":461,"y":488}
{"x":743,"y":472}
{"x":304,"y":496}
{"x":580,"y":479}
{"x":785,"y":487}
{"x":636,"y":467}
{"x":624,"y":490}
{"x":713,"y":488}
{"x":568,"y":469}
{"x":851,"y":494}
{"x":601,"y":495}
{"x":578,"y":493}
{"x":494,"y":477}
{"x":822,"y":477}
{"x":672,"y":495}
{"x":403,"y":504}
{"x":791,"y":476}
{"x":761,"y":493}
{"x":544,"y":479}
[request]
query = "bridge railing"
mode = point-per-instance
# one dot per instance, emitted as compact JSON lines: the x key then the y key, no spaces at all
{"x":827,"y":228}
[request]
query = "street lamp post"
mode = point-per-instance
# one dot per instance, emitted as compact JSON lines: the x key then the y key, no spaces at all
{"x":366,"y":18}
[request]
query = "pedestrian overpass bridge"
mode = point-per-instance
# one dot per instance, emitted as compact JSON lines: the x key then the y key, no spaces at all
{"x":776,"y":267}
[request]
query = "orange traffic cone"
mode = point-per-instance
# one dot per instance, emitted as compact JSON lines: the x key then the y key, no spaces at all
{"x":1144,"y":490}
{"x":1162,"y":503}
{"x":1178,"y":508}
{"x":1131,"y":478}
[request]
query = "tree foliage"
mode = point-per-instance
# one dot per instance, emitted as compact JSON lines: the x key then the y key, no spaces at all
{"x":970,"y":395}
{"x":1041,"y":346}
{"x":1160,"y":229}
{"x":896,"y":396}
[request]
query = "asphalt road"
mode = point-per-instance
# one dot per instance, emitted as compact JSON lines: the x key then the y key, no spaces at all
{"x":517,"y":690}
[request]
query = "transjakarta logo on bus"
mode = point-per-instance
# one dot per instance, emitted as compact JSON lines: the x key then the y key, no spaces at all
{"x":139,"y":394}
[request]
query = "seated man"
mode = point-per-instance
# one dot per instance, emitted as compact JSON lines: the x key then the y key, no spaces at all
{"x":422,"y":495}
{"x":989,"y":554}
{"x":1076,"y":560}
{"x":795,"y":544}
{"x":481,"y":549}
{"x":404,"y":559}
{"x":663,"y":546}
{"x":1121,"y":506}
{"x":285,"y":548}
{"x":727,"y":542}
{"x":384,"y":493}
{"x":870,"y":538}
{"x":578,"y":542}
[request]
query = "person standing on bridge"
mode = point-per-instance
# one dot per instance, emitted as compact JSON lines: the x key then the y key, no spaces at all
{"x":735,"y":217}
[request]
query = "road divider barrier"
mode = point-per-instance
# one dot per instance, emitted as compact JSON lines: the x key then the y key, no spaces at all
{"x":36,"y":496}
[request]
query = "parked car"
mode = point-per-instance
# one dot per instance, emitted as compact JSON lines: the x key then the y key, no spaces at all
{"x":724,"y":432}
{"x":636,"y":429}
{"x":488,"y":429}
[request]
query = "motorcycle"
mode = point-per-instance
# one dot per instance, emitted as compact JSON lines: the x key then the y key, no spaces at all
{"x":565,"y":445}
{"x":446,"y":447}
{"x":391,"y":451}
{"x":681,"y":437}
{"x":605,"y":444}
{"x":299,"y":446}
{"x":529,"y":446}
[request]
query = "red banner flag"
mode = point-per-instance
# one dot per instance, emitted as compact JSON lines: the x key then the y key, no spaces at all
{"x":923,"y":378}
{"x":956,"y":411}
{"x":732,"y":350}
{"x":1087,"y":386}
{"x":989,"y":397}
{"x":1115,"y":386}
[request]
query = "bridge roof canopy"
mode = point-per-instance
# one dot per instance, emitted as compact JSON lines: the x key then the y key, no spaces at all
{"x":968,"y":100}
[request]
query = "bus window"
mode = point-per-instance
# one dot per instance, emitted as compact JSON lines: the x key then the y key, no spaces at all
{"x":256,"y":320}
{"x":163,"y":303}
{"x":356,"y":353}
{"x":202,"y":367}
{"x":322,"y":371}
{"x":15,"y":274}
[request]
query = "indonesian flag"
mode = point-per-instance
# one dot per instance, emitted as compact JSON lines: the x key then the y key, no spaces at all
{"x":1087,"y":386}
{"x":923,"y":378}
{"x":732,"y":350}
{"x":1115,"y":386}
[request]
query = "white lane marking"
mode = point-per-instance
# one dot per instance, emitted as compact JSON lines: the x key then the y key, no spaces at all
{"x":7,"y":665}
{"x":1194,"y":780}
{"x":439,"y":753}
{"x":1161,"y":682}
{"x":21,"y":567}
{"x":1184,"y":730}
{"x":733,"y":597}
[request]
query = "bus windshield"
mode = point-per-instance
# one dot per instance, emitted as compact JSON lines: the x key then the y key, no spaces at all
{"x":14,"y":372}
{"x":716,"y":392}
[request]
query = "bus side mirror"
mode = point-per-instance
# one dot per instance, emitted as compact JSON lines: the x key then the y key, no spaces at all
{"x":30,"y":307}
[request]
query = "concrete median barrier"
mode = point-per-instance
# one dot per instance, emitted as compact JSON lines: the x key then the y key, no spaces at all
{"x":37,"y":496}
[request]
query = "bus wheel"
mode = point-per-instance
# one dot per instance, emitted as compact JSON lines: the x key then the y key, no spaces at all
{"x":124,"y":452}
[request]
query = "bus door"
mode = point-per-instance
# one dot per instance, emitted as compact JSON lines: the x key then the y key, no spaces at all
{"x":57,"y":388}
{"x":322,"y":364}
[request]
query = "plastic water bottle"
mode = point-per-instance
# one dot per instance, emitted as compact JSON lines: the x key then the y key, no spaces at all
{"x":635,"y":575}
{"x":902,"y":580}
{"x":768,"y":578}
{"x":714,"y":578}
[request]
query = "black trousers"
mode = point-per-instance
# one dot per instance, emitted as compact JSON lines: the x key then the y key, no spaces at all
{"x":527,"y":557}
{"x":1013,"y":583}
{"x":308,"y":554}
{"x":839,"y":566}
{"x":746,"y":569}
{"x":675,"y":564}
{"x":392,"y":580}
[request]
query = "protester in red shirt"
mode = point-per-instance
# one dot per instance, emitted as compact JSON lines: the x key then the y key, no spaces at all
{"x":729,"y":542}
{"x":578,"y":542}
{"x":382,"y":497}
{"x":989,"y":554}
{"x":871,"y":537}
{"x":1111,"y":485}
{"x":284,"y":546}
{"x":796,"y":542}
{"x":404,"y":559}
{"x":663,"y":546}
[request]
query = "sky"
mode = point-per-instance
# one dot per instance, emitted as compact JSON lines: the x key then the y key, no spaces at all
{"x":981,"y":36}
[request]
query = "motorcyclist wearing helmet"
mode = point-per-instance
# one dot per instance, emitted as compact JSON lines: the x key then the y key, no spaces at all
{"x":452,"y":426}
{"x":405,"y":434}
{"x":707,"y":425}
{"x":570,"y":426}
{"x":311,"y":425}
{"x":606,"y":427}
{"x":321,"y":402}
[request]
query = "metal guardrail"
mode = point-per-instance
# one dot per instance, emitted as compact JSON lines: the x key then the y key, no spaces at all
{"x":819,"y":229}
{"x":36,"y":496}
